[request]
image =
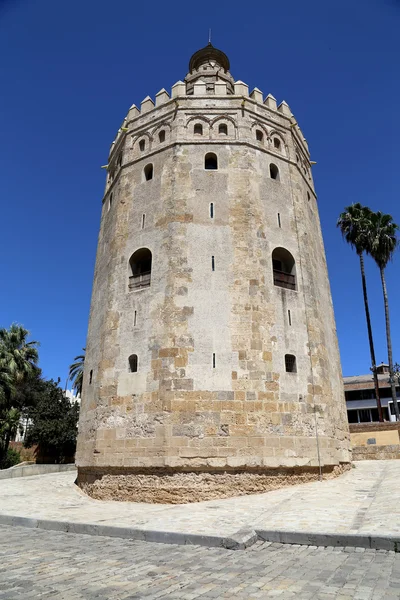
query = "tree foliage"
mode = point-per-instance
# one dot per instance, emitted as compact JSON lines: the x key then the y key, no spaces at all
{"x":354,"y":224}
{"x":75,"y":374}
{"x":53,"y":423}
{"x":18,"y":366}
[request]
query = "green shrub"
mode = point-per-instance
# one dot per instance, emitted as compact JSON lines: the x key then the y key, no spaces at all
{"x":13,"y":458}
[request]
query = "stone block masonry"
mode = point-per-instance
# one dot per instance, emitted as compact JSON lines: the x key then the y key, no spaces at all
{"x":212,"y":358}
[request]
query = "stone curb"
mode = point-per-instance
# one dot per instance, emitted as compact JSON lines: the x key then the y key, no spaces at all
{"x":244,"y":538}
{"x":240,"y":541}
{"x":353,"y":540}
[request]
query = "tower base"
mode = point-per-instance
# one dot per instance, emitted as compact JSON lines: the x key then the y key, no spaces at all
{"x":164,"y":486}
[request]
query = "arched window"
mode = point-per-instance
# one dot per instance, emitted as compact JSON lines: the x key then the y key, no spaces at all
{"x":198,"y":129}
{"x":161,"y":136}
{"x":140,"y":269}
{"x":133,"y":363}
{"x":259,"y":135}
{"x":148,"y":172}
{"x":290,"y":363}
{"x":274,"y":171}
{"x":277,"y":144}
{"x":210,"y":161}
{"x":142,"y":145}
{"x":284,"y":268}
{"x":223,"y":129}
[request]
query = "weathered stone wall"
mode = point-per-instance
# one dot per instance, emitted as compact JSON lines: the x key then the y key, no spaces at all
{"x":390,"y":452}
{"x":178,"y":411}
{"x":375,"y":441}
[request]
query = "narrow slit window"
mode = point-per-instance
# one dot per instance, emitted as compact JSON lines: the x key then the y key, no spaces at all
{"x":290,"y":363}
{"x":308,"y":196}
{"x":142,"y":145}
{"x":279,"y":220}
{"x":212,"y":263}
{"x":110,"y":202}
{"x":161,"y":136}
{"x":289,"y":317}
{"x":135,"y":318}
{"x":148,"y":172}
{"x":223,"y":129}
{"x":213,"y":360}
{"x":133,"y":363}
{"x":212,"y":210}
{"x":90,"y":376}
{"x":143,"y":220}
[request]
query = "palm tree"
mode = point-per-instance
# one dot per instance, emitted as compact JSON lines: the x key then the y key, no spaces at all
{"x":75,"y":374}
{"x":383,"y":243}
{"x":354,"y":223}
{"x":18,"y":362}
{"x":18,"y":358}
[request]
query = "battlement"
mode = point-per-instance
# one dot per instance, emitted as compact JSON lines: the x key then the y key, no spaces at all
{"x":200,"y":89}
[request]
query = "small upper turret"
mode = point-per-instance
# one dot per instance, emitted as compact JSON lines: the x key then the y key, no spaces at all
{"x":209,"y":65}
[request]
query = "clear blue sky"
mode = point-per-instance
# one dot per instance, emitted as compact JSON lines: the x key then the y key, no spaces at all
{"x":71,"y":69}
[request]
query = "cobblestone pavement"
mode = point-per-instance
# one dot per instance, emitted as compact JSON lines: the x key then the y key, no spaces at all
{"x":358,"y":502}
{"x":54,"y":565}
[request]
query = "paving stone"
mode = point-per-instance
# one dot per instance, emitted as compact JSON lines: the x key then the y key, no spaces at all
{"x":65,"y":566}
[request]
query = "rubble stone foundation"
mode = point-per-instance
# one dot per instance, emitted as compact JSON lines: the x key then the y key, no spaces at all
{"x":170,"y":487}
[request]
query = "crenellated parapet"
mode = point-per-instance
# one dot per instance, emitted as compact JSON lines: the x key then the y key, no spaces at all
{"x":240,"y":112}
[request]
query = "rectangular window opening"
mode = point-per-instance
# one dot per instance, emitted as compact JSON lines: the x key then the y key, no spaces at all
{"x":290,"y":363}
{"x":212,"y":263}
{"x":143,"y":220}
{"x":213,"y":360}
{"x":135,"y":319}
{"x":279,"y":220}
{"x":289,"y":317}
{"x":212,"y":210}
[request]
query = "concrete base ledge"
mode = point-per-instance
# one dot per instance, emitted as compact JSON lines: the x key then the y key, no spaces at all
{"x":29,"y":470}
{"x":240,"y":540}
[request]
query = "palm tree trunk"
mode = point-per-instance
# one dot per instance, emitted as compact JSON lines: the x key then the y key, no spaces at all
{"x":370,"y":338}
{"x":5,"y":442}
{"x":389,"y":345}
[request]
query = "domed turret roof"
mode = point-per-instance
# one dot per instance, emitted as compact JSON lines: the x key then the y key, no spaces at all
{"x":207,"y":54}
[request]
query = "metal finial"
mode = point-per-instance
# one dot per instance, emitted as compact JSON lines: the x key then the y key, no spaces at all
{"x":209,"y":36}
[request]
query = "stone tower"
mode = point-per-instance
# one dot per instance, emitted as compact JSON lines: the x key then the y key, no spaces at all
{"x":212,"y":362}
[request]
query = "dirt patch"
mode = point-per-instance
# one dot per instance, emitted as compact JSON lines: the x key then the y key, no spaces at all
{"x":182,"y":488}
